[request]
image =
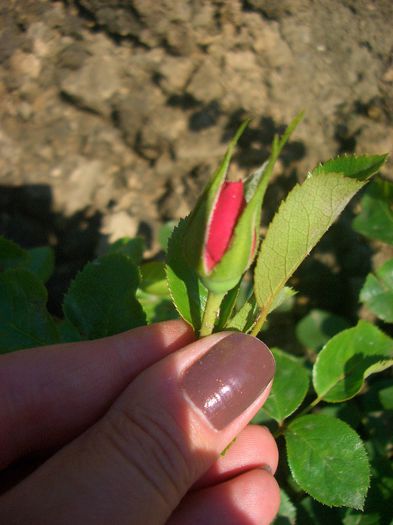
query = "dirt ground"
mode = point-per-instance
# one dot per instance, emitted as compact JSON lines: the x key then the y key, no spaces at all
{"x":114,"y":112}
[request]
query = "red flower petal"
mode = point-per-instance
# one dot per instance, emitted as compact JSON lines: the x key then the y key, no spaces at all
{"x":230,"y":204}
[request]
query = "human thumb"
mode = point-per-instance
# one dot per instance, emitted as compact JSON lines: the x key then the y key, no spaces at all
{"x":159,"y":437}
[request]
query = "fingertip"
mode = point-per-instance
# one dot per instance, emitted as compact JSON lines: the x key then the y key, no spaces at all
{"x":166,"y":336}
{"x":253,"y":448}
{"x":262,"y":435}
{"x":175,"y":333}
{"x":266,"y":495}
{"x":253,"y":498}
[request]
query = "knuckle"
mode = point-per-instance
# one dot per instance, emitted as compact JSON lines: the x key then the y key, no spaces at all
{"x":152,"y":445}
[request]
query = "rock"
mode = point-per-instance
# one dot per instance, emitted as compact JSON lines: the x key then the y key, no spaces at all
{"x":205,"y":84}
{"x":388,"y":75}
{"x":144,"y":21}
{"x":131,"y":112}
{"x":25,"y":110}
{"x":180,"y":39}
{"x":203,"y":147}
{"x":117,"y":19}
{"x":152,"y":139}
{"x":11,"y":153}
{"x":25,"y":64}
{"x":73,"y":56}
{"x":278,"y":8}
{"x":42,"y":39}
{"x":128,"y":116}
{"x":172,"y":204}
{"x":92,"y":86}
{"x":118,"y":225}
{"x":205,"y":117}
{"x":77,"y":192}
{"x":10,"y":40}
{"x":149,"y":132}
{"x":174,"y":74}
{"x":245,"y":84}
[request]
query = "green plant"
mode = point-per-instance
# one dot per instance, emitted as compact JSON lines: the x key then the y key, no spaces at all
{"x":225,"y":279}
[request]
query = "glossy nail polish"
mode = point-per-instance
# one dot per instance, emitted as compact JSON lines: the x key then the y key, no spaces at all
{"x":228,"y":378}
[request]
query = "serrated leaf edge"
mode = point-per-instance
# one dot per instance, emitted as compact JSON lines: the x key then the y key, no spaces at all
{"x":363,"y":448}
{"x":365,"y":375}
{"x":297,"y":361}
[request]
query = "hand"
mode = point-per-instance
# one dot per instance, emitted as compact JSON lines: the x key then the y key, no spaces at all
{"x":129,"y":430}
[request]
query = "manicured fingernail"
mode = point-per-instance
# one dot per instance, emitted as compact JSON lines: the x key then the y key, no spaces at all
{"x":229,"y":378}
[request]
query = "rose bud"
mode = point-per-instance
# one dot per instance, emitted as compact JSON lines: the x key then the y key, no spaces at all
{"x":221,"y":234}
{"x":230,"y":204}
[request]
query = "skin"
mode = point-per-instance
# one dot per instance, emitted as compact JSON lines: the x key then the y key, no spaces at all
{"x":97,"y":432}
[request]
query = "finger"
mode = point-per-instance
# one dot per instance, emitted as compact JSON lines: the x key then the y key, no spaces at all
{"x":252,"y":498}
{"x":253,"y":448}
{"x":50,"y":394}
{"x":158,"y":438}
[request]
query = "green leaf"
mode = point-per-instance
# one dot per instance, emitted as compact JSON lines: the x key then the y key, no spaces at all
{"x":283,"y":299}
{"x":24,"y":319}
{"x":376,"y":218}
{"x":349,"y":358}
{"x":307,"y":213}
{"x":311,"y":512}
{"x":252,"y":181}
{"x":377,"y":292}
{"x":370,"y":399}
{"x":380,"y":494}
{"x":68,"y":333}
{"x":41,"y":262}
{"x":318,"y":326}
{"x":386,"y":397}
{"x":356,"y":518}
{"x":348,"y":412}
{"x":165,"y":232}
{"x":227,"y":306}
{"x":244,"y":319}
{"x":187,"y":292}
{"x":328,"y":460}
{"x":261,"y":418}
{"x":157,"y":308}
{"x":356,"y":167}
{"x":378,"y":426}
{"x":101,"y":300}
{"x":287,"y":511}
{"x":154,"y":278}
{"x":133,"y":247}
{"x":290,"y":386}
{"x":153,"y":293}
{"x":11,"y":254}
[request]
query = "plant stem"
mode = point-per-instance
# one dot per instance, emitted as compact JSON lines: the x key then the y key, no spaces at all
{"x":310,"y":406}
{"x":280,"y":431}
{"x":259,"y":323}
{"x":210,"y":314}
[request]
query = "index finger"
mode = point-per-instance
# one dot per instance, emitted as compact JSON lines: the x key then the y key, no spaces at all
{"x":48,"y":395}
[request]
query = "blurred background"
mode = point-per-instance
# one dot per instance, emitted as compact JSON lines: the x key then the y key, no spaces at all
{"x":115,"y":112}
